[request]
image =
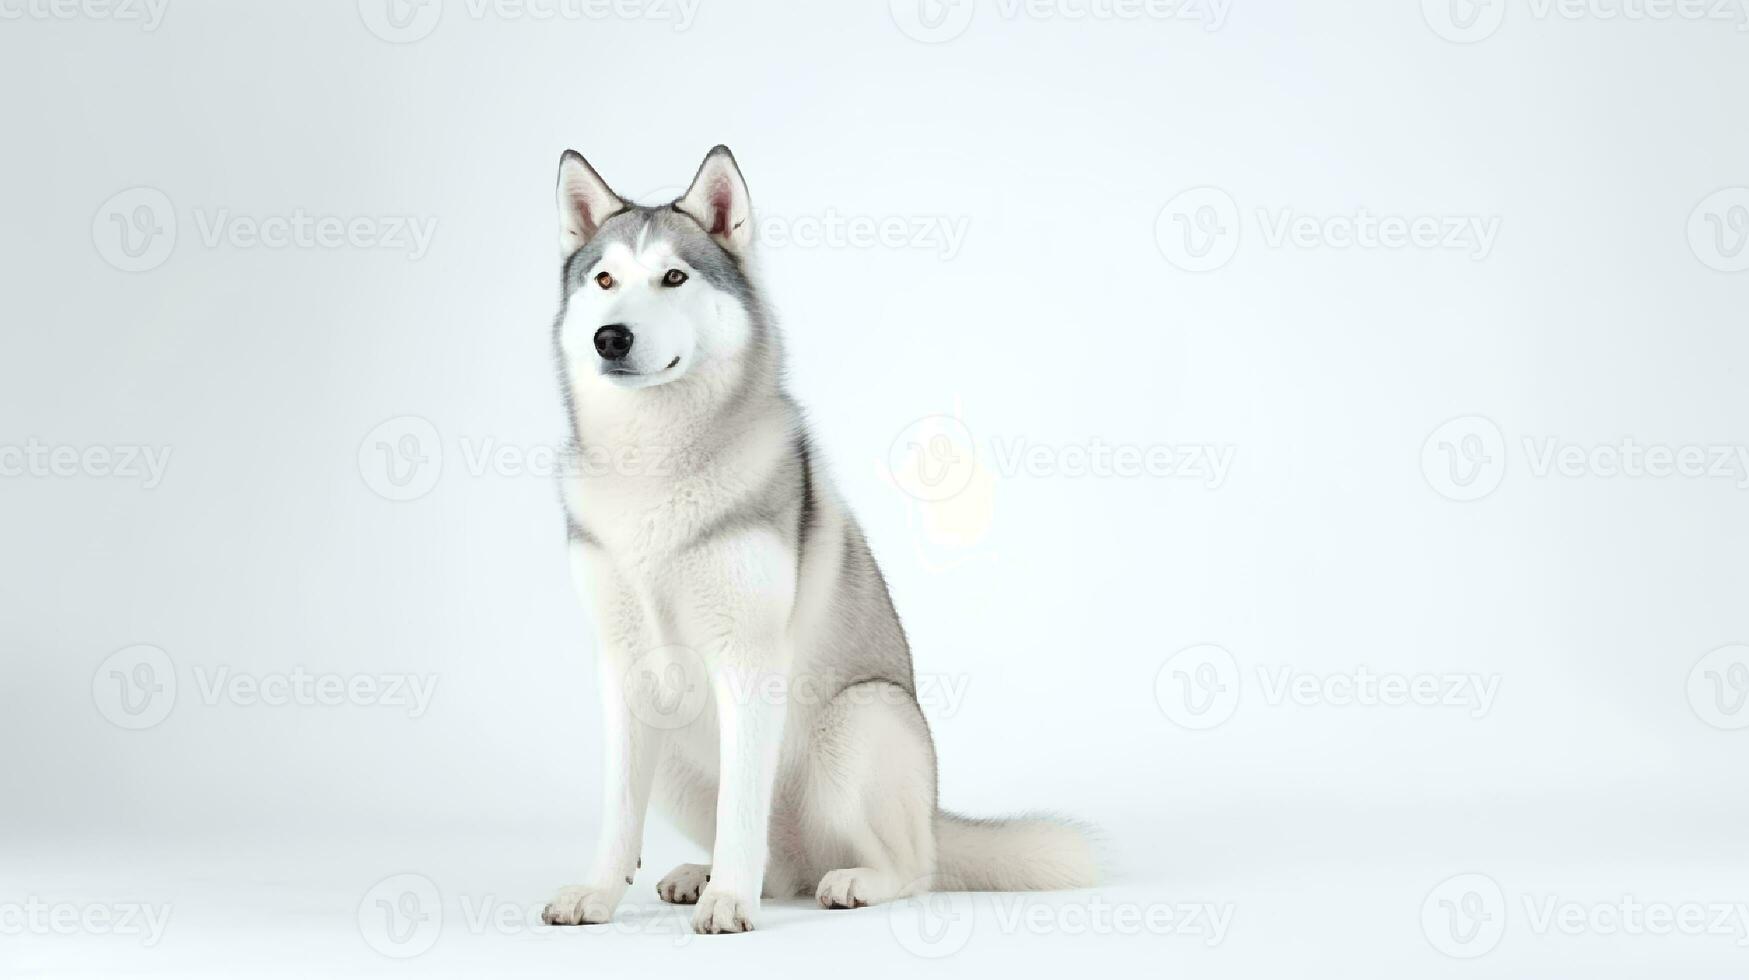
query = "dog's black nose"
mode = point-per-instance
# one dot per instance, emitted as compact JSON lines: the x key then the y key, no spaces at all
{"x":613,"y":342}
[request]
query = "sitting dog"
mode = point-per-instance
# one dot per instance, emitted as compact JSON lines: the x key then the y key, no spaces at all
{"x":755,"y":679}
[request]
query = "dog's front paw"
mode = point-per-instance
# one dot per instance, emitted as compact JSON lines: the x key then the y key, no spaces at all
{"x":580,"y":905}
{"x":722,"y":912}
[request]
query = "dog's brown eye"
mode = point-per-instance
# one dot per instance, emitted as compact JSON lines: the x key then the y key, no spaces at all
{"x":673,"y":277}
{"x":604,"y":280}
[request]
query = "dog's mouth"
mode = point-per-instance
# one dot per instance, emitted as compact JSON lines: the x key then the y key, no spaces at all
{"x":627,"y":378}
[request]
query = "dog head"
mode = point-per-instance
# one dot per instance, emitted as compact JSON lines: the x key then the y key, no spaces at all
{"x":653,"y":295}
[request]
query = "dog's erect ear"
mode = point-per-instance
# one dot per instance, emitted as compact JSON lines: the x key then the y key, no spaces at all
{"x":718,"y":201}
{"x":585,"y":201}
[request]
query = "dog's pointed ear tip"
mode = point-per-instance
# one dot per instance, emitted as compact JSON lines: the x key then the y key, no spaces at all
{"x":572,"y":160}
{"x":721,"y":151}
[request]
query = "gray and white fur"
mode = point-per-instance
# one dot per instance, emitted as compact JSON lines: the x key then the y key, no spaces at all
{"x":756,"y":681}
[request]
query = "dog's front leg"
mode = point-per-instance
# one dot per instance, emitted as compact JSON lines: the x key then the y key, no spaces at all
{"x":629,"y":767}
{"x":750,"y":682}
{"x":751,"y":736}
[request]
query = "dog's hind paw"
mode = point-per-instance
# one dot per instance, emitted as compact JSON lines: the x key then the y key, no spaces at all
{"x":855,"y":888}
{"x":720,"y":912}
{"x":683,"y":885}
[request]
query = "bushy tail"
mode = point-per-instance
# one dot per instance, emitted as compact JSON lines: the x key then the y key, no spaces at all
{"x":1030,"y":853}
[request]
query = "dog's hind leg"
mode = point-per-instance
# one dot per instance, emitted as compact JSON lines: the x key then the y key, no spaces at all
{"x":688,"y":796}
{"x":869,"y":805}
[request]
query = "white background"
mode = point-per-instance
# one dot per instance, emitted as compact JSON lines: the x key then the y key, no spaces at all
{"x":1052,"y":599}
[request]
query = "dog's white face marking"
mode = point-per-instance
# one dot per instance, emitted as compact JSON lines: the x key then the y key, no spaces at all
{"x":676,"y":320}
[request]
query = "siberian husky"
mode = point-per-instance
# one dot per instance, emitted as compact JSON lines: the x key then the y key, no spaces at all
{"x":755,"y":679}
